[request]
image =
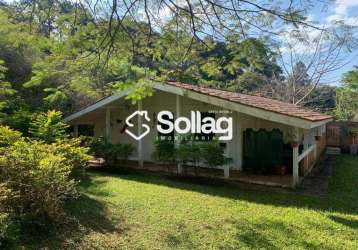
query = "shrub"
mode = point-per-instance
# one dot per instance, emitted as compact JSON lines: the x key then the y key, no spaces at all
{"x":8,"y":136}
{"x":74,"y":155}
{"x":4,"y":228}
{"x":39,"y":179}
{"x":101,"y":147}
{"x":48,"y":126}
{"x":164,"y":151}
{"x":189,"y":152}
{"x":125,"y":151}
{"x":213,"y":154}
{"x":36,"y":178}
{"x":8,"y":229}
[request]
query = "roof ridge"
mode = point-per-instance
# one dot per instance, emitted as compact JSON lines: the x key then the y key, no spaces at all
{"x":234,"y":92}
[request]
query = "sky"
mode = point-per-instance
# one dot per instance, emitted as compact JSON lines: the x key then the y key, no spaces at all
{"x":346,"y":10}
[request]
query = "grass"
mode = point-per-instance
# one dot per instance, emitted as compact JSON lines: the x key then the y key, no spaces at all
{"x":137,"y":211}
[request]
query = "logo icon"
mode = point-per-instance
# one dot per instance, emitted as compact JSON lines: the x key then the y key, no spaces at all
{"x":143,"y":113}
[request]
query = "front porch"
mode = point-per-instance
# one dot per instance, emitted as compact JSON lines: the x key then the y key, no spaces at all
{"x":224,"y":173}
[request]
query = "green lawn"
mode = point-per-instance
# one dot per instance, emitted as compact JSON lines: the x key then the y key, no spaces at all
{"x":137,"y":211}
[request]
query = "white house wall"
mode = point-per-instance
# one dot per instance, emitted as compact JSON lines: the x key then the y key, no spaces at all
{"x":122,"y":108}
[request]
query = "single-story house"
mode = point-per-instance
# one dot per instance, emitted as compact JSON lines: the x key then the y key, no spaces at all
{"x":262,"y":128}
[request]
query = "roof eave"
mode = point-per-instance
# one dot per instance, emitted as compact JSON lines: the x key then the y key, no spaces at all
{"x":246,"y":109}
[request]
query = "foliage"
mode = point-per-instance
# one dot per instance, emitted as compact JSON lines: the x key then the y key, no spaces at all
{"x":111,"y":152}
{"x":347,"y":104}
{"x":74,"y":154}
{"x":36,"y":178}
{"x":4,"y":224}
{"x":210,"y":153}
{"x":322,"y":98}
{"x":164,"y":151}
{"x":8,"y":136}
{"x":249,"y":82}
{"x":9,"y":231}
{"x":188,"y":152}
{"x":39,"y":180}
{"x":213,"y":154}
{"x":125,"y":150}
{"x":59,"y":66}
{"x":6,"y":89}
{"x":48,"y":126}
{"x":347,"y":96}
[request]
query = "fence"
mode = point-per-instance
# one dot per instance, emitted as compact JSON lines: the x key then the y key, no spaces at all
{"x":342,"y":134}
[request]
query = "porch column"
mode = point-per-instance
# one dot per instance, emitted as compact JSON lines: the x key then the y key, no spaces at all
{"x":140,"y":142}
{"x":75,"y":130}
{"x":226,"y":171}
{"x":108,"y":125}
{"x":316,"y":142}
{"x":295,"y":162}
{"x":178,"y":102}
{"x":239,"y":140}
{"x":305,"y":147}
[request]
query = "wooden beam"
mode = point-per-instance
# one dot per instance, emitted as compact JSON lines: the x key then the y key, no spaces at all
{"x":140,"y":142}
{"x":178,"y":104}
{"x":95,"y":106}
{"x":295,"y":162}
{"x":75,"y":130}
{"x":306,"y":152}
{"x":239,"y":141}
{"x":306,"y":135}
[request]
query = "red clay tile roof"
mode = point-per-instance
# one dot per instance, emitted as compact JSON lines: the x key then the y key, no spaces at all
{"x":258,"y":102}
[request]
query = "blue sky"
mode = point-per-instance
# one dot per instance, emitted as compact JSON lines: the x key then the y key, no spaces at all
{"x":346,"y":10}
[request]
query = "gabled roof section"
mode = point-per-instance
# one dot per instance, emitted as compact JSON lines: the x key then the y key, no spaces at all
{"x":258,"y":102}
{"x":256,"y":106}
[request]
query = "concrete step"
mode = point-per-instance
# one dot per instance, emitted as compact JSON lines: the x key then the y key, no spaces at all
{"x":333,"y":151}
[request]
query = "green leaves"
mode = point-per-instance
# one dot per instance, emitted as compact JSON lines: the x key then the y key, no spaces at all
{"x":347,"y":96}
{"x":48,"y":126}
{"x":36,"y":178}
{"x":134,"y":79}
{"x":6,"y":89}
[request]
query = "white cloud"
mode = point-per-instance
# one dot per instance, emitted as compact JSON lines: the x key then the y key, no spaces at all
{"x":341,"y":12}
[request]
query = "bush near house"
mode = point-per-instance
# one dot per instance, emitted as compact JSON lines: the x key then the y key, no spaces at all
{"x":111,"y":152}
{"x":190,"y":152}
{"x":164,"y":151}
{"x":36,"y":179}
{"x":213,"y":154}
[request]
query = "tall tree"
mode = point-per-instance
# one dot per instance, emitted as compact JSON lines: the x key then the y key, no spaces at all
{"x":347,"y":96}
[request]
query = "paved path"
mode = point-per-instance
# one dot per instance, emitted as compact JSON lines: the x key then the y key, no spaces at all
{"x":316,"y":183}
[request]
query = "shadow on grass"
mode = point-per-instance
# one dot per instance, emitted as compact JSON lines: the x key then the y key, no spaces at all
{"x":83,"y":215}
{"x":339,"y":199}
{"x":270,"y":234}
{"x":348,"y":223}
